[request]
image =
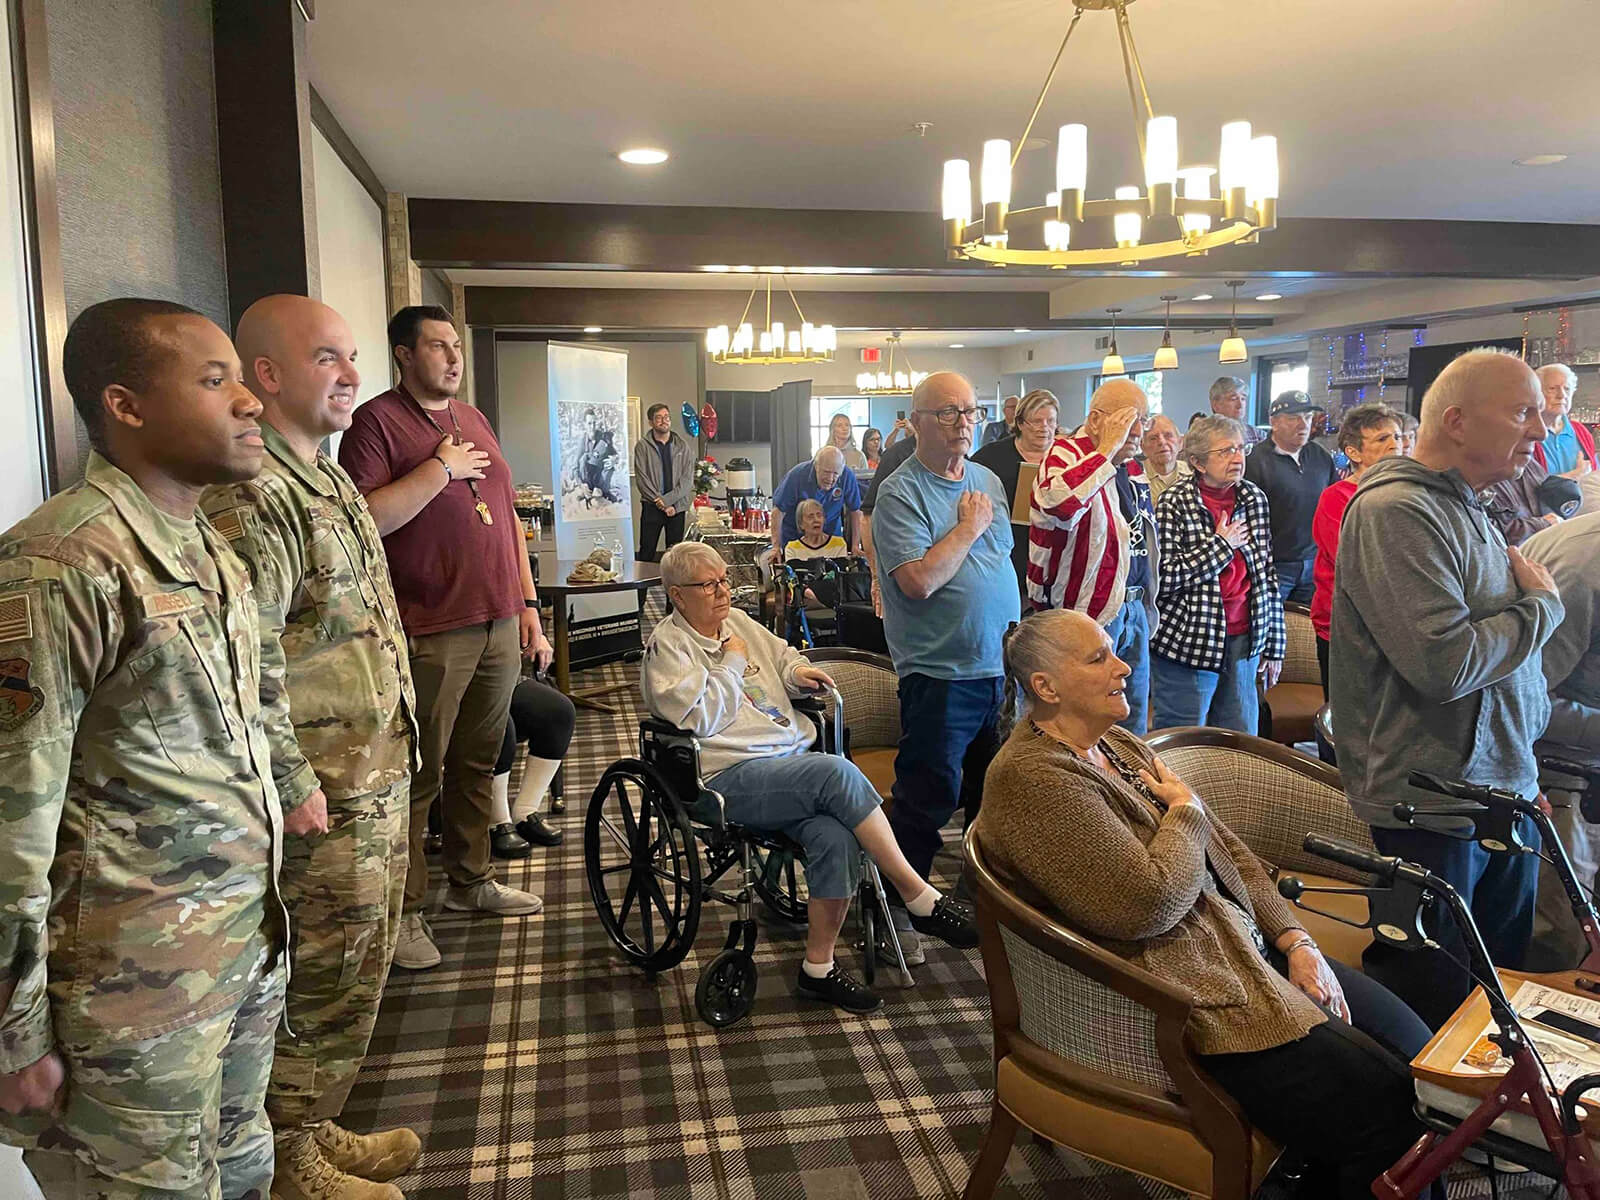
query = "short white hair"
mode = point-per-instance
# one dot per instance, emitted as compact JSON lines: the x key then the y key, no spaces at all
{"x":806,"y":507}
{"x":1567,"y":372}
{"x":827,"y":453}
{"x":678,"y":563}
{"x":1449,"y":388}
{"x":1203,"y":431}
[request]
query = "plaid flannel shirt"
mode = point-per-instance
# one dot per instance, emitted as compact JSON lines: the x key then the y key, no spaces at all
{"x":1193,"y":629}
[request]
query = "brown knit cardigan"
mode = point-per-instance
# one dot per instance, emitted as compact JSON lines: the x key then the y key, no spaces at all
{"x":1067,"y":836}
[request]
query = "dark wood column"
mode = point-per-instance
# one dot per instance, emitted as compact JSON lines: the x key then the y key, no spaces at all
{"x":264,"y":143}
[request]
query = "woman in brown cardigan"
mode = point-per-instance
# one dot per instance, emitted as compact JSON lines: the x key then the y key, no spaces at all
{"x":1081,"y":818}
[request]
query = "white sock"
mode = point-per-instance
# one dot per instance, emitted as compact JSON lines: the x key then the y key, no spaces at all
{"x":817,"y":970}
{"x":922,"y":906}
{"x":536,"y":776}
{"x":500,"y":811}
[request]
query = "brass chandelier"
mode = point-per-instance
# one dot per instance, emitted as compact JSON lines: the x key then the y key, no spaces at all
{"x":1070,"y":231}
{"x":775,"y":344}
{"x":891,"y":382}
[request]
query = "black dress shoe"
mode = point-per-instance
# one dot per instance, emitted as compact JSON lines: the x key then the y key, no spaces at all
{"x":839,"y":988}
{"x":505,"y":842}
{"x":432,"y":843}
{"x":949,"y":923}
{"x":536,"y":831}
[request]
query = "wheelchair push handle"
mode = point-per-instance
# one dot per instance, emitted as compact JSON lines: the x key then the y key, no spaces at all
{"x":1472,"y":793}
{"x":1588,"y":772}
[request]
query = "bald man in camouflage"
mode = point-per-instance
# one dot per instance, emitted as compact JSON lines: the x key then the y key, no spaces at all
{"x":342,"y":759}
{"x":140,"y":931}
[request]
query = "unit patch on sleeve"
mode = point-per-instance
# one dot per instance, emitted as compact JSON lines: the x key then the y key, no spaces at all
{"x":20,"y":701}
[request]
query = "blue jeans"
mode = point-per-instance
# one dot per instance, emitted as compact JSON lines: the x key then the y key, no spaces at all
{"x":816,"y":799}
{"x":1500,"y":889}
{"x":1294,"y":581}
{"x":949,"y":732}
{"x":1129,"y":632}
{"x":1182,"y":695}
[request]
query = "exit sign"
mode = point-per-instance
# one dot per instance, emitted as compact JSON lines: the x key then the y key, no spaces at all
{"x":872,"y":354}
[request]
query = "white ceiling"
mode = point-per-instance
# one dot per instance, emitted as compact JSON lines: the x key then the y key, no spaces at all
{"x":1381,"y":109}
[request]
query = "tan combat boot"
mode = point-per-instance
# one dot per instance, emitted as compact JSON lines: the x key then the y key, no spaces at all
{"x":302,"y":1173}
{"x":379,"y":1156}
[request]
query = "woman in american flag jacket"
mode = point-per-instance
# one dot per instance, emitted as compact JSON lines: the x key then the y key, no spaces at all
{"x":1221,"y":615}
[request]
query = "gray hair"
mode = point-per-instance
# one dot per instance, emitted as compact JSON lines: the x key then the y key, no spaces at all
{"x":1449,"y":388}
{"x":804,"y":507}
{"x":829,"y":453}
{"x":678,"y":563}
{"x":1224,"y":384}
{"x":1205,"y":430}
{"x":1033,"y":644}
{"x":1032,"y":403}
{"x":1567,"y":372}
{"x":1362,"y":419}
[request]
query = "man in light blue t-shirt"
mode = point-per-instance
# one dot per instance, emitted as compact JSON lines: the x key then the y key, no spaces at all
{"x":941,"y":534}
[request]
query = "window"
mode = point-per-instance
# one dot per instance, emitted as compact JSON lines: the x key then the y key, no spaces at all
{"x":825,"y":408}
{"x":1274,"y":376}
{"x":1149,"y":383}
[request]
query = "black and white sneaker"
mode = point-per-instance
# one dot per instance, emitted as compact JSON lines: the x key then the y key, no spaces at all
{"x":948,"y":922}
{"x":839,"y":988}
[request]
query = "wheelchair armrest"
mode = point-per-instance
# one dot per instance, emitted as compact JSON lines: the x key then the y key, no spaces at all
{"x":666,"y":728}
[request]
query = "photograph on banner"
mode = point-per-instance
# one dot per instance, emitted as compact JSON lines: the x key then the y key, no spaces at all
{"x":594,"y":467}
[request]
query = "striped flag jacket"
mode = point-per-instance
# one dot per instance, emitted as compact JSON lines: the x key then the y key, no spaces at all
{"x":1193,"y":628}
{"x":1077,"y":535}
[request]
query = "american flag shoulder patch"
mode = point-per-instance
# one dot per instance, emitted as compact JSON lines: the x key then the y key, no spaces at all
{"x":16,"y":618}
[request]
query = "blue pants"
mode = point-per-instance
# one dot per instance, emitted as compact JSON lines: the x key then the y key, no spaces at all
{"x":1182,"y":695}
{"x":1129,"y":632}
{"x":816,"y":799}
{"x":1294,"y":580}
{"x":1500,"y":889}
{"x":949,"y":731}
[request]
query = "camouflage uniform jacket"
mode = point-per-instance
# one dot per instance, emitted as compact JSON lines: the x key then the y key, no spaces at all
{"x":140,"y":832}
{"x":330,"y":627}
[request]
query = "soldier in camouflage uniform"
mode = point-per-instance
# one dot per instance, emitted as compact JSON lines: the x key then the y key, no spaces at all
{"x":332,"y":640}
{"x":141,"y":934}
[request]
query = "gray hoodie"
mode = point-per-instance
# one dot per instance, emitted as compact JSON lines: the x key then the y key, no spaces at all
{"x":1434,"y":654}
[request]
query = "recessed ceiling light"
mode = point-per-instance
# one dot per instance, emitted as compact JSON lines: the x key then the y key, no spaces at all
{"x":593,"y":329}
{"x":719,"y":267}
{"x":1022,"y":331}
{"x":1270,"y":296}
{"x":1202,"y":296}
{"x":1541,"y":160}
{"x":958,"y":345}
{"x":643,"y":156}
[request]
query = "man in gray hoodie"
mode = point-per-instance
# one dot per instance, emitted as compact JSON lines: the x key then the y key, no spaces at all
{"x":1435,"y":657}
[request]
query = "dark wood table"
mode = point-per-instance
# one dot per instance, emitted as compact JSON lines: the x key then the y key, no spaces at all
{"x":636,"y":577}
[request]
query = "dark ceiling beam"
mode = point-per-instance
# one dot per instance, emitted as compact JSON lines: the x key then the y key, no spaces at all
{"x":696,"y":309}
{"x":468,"y":234}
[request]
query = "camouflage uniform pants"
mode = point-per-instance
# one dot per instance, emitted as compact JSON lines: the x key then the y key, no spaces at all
{"x":175,"y":1117}
{"x":344,"y":890}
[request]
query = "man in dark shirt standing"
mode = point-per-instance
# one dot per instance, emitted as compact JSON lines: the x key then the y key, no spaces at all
{"x":441,"y":495}
{"x":663,"y":471}
{"x":1293,"y":471}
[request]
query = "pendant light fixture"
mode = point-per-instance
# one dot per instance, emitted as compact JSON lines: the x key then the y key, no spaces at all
{"x":1233,"y":347}
{"x":1166,"y":355}
{"x":1111,"y":364}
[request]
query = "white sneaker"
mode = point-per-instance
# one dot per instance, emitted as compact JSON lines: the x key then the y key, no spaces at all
{"x":492,"y":896}
{"x":415,"y":949}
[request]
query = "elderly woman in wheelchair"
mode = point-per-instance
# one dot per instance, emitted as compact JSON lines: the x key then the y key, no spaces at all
{"x":1082,"y":819}
{"x":712,"y":670}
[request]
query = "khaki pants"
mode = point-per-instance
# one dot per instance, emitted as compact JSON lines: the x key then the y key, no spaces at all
{"x":344,"y":891}
{"x":464,"y":680}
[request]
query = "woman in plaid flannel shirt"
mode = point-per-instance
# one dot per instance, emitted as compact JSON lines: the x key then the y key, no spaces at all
{"x":1221,"y":615}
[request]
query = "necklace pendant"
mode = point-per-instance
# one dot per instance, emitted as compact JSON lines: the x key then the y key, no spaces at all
{"x":484,"y":514}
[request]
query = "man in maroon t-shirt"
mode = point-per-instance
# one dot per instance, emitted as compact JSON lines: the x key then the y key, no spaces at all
{"x":441,"y":495}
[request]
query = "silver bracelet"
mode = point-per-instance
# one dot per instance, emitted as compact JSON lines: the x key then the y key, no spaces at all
{"x":449,"y":475}
{"x":1304,"y":939}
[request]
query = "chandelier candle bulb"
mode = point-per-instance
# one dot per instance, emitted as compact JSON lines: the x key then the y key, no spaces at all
{"x":994,"y":183}
{"x":1128,"y":223}
{"x":1072,"y":171}
{"x":1161,"y":164}
{"x":957,"y":202}
{"x":1196,"y":186}
{"x":1234,"y":174}
{"x":1262,"y":190}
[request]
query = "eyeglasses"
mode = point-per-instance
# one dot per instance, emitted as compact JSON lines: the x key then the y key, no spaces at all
{"x":709,"y":587}
{"x":951,"y":415}
{"x":1039,"y":423}
{"x":1233,"y":451}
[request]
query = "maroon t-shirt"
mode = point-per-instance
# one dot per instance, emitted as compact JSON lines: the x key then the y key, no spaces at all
{"x":449,"y":568}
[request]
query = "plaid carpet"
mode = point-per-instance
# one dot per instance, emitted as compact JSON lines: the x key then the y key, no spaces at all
{"x":536,"y":1064}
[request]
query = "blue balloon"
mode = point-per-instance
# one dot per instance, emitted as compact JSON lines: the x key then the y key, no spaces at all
{"x":691,"y":419}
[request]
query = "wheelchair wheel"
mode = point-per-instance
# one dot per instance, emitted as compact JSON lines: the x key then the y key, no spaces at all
{"x":780,"y":884}
{"x":727,"y":989}
{"x":643,"y":866}
{"x":868,"y":908}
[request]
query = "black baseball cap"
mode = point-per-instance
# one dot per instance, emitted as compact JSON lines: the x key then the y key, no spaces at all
{"x":1293,"y":402}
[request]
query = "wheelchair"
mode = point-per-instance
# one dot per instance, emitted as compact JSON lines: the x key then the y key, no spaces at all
{"x":652,"y":861}
{"x":843,"y":586}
